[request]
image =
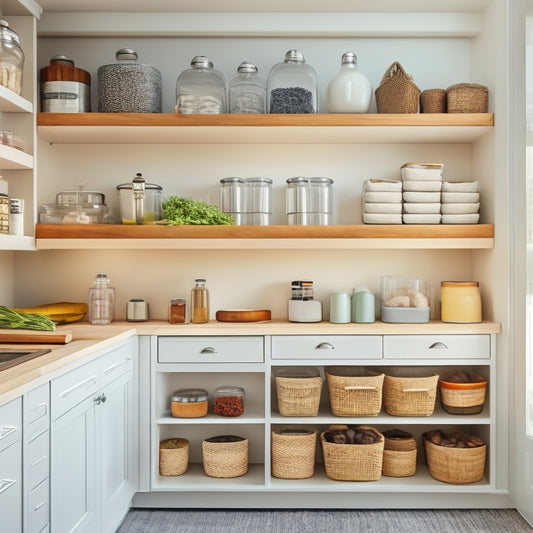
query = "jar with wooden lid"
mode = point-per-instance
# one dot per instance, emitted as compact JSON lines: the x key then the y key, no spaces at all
{"x":65,"y":88}
{"x":460,"y":301}
{"x":189,"y":403}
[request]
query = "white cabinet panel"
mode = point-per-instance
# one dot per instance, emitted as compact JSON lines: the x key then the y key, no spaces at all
{"x":11,"y":488}
{"x":36,"y":412}
{"x":10,"y":423}
{"x":39,"y":507}
{"x":37,"y":458}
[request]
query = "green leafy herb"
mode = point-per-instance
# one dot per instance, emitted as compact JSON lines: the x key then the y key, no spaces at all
{"x":10,"y":319}
{"x":186,"y":211}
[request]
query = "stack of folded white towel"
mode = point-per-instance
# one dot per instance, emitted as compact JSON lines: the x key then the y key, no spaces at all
{"x":382,"y":201}
{"x":460,"y":202}
{"x":421,"y":184}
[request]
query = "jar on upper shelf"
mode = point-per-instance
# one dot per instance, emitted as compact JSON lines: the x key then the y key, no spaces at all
{"x":247,"y":90}
{"x":292,"y":86}
{"x":349,"y":91}
{"x":11,"y":58}
{"x":201,"y":89}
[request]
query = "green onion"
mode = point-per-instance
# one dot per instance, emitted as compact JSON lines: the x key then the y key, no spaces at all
{"x":10,"y":319}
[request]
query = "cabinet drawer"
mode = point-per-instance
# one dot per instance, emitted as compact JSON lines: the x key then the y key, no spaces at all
{"x":11,"y":488}
{"x":38,"y":460}
{"x":39,"y":507}
{"x":436,"y":346}
{"x":210,"y":349}
{"x":36,"y":412}
{"x":326,"y":347}
{"x":116,"y":363}
{"x":10,"y":423}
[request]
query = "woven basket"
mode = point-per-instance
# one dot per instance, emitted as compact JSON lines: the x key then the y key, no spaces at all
{"x":352,"y":395}
{"x":467,"y":98}
{"x":293,"y":456}
{"x":399,"y":456}
{"x":455,"y":465}
{"x":410,"y":396}
{"x":433,"y":101}
{"x":353,"y":462}
{"x":173,"y":461}
{"x":298,"y":396}
{"x":464,"y":401}
{"x":225,"y":459}
{"x":397,"y":92}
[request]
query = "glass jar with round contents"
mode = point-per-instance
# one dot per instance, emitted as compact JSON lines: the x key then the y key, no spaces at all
{"x":11,"y":58}
{"x":460,"y":301}
{"x":229,"y":401}
{"x":189,"y":403}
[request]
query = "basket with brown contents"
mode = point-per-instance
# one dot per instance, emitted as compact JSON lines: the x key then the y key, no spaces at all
{"x":399,"y":455}
{"x":293,"y":453}
{"x":352,"y":454}
{"x":455,"y":457}
{"x":173,"y":457}
{"x":463,"y":393}
{"x":225,"y":456}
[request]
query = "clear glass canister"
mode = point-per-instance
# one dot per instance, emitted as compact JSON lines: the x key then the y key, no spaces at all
{"x":309,"y":201}
{"x":201,"y":89}
{"x":189,"y":403}
{"x":199,"y":302}
{"x":11,"y":58}
{"x":232,"y":197}
{"x":460,"y":301}
{"x":349,"y":91}
{"x":101,"y":301}
{"x":292,"y":86}
{"x":247,"y":90}
{"x":229,"y":401}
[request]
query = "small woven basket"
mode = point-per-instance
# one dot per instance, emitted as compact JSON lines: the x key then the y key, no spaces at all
{"x":225,"y":459}
{"x":293,"y":455}
{"x":455,"y":465}
{"x":463,"y":401}
{"x":397,"y":92}
{"x":298,"y":396}
{"x":410,"y":396}
{"x":353,"y":395}
{"x":399,"y":457}
{"x":467,"y":98}
{"x":173,"y":461}
{"x":353,"y":462}
{"x":433,"y":101}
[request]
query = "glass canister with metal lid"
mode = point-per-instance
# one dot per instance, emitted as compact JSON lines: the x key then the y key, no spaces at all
{"x":247,"y":90}
{"x":128,"y":86}
{"x":140,"y":202}
{"x":189,"y":403}
{"x":309,"y":201}
{"x":11,"y":58}
{"x":65,"y":88}
{"x":201,"y":89}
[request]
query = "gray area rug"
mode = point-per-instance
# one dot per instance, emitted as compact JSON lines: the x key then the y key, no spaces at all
{"x":324,"y":521}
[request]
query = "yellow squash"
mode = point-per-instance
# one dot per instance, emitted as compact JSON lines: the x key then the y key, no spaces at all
{"x":59,"y":312}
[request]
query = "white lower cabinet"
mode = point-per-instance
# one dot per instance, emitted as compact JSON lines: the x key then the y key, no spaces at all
{"x":93,"y":443}
{"x":423,"y":355}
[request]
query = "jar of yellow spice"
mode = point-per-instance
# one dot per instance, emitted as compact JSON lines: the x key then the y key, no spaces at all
{"x":199,"y":302}
{"x":189,"y":403}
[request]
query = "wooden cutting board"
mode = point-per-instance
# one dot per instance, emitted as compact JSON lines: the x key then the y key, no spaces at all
{"x":243,"y":315}
{"x":25,"y":336}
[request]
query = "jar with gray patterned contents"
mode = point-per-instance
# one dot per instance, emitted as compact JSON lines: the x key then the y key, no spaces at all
{"x":247,"y":91}
{"x":128,"y":86}
{"x":201,"y":89}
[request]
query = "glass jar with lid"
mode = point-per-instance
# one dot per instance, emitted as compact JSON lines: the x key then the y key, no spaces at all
{"x":201,"y":89}
{"x":11,"y":58}
{"x":189,"y":403}
{"x":247,"y":90}
{"x":292,"y":86}
{"x":229,"y":401}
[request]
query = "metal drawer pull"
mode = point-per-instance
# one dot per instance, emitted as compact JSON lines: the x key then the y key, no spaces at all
{"x":209,"y":349}
{"x":6,"y":483}
{"x":325,"y":346}
{"x":100,"y":399}
{"x":116,"y":365}
{"x":38,"y":506}
{"x":40,"y":460}
{"x":438,"y":345}
{"x":360,"y":387}
{"x":6,"y":431}
{"x":88,"y":381}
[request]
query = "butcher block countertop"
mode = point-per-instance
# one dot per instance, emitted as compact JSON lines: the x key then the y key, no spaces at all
{"x":89,"y":340}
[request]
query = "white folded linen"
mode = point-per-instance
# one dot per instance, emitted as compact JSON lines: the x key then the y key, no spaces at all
{"x":421,"y":171}
{"x":421,"y":197}
{"x":424,"y":208}
{"x":378,"y":185}
{"x":422,"y":186}
{"x":460,"y":219}
{"x":459,"y":209}
{"x":409,"y":218}
{"x":459,"y":197}
{"x":389,"y":207}
{"x":460,"y":186}
{"x":380,"y":218}
{"x":382,"y":197}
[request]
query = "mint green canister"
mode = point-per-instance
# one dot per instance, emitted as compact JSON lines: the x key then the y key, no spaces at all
{"x":363,"y":306}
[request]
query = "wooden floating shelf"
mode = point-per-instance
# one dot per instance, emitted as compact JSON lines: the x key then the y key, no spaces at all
{"x":166,"y":128}
{"x":65,"y":236}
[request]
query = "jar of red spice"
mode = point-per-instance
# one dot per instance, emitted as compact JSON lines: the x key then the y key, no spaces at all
{"x":229,"y":401}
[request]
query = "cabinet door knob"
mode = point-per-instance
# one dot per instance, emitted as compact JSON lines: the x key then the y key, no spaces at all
{"x":439,"y":346}
{"x":103,"y":398}
{"x":208,"y":349}
{"x":97,"y":400}
{"x":325,"y":346}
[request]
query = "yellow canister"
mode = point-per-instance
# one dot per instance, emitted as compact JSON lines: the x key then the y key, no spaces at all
{"x":460,"y":301}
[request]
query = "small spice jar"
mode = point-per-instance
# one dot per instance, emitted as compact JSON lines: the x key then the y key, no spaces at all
{"x":460,"y":301}
{"x":189,"y":403}
{"x":229,"y":401}
{"x":177,"y":311}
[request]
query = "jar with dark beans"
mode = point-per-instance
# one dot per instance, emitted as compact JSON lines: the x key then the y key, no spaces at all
{"x":229,"y":401}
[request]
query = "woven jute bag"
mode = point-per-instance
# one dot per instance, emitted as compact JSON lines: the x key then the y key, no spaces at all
{"x":433,"y":101}
{"x":225,"y":459}
{"x":293,"y":456}
{"x":298,"y":396}
{"x":173,"y":461}
{"x":410,"y":396}
{"x":397,"y":92}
